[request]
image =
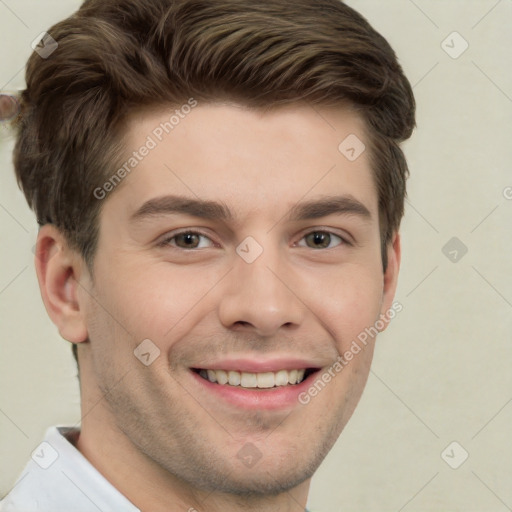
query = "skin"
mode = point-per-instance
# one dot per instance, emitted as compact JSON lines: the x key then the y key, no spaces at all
{"x":155,"y":431}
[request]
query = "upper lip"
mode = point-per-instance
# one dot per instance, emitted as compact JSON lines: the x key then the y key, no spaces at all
{"x":259,"y":365}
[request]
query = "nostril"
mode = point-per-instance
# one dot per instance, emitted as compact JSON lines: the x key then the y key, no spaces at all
{"x":242,"y":323}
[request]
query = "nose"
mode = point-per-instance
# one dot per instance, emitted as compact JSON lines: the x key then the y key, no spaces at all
{"x":259,"y":297}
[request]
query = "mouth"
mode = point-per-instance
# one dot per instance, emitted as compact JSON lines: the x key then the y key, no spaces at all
{"x":249,"y":384}
{"x":254,"y":381}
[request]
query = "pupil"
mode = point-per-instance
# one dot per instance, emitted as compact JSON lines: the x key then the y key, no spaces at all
{"x":189,"y":238}
{"x":321,"y":239}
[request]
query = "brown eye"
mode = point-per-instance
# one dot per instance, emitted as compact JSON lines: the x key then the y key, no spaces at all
{"x":188,"y":240}
{"x":321,"y":239}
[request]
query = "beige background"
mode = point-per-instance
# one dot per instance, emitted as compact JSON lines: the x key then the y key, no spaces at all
{"x":442,"y":370}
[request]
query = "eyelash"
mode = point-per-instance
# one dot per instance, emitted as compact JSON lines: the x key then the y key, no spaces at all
{"x":167,"y":241}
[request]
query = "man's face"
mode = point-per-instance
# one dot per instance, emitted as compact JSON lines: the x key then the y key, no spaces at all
{"x":272,"y":265}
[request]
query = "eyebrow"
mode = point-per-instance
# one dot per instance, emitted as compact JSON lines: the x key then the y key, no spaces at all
{"x":213,"y":210}
{"x":184,"y":205}
{"x":332,"y":205}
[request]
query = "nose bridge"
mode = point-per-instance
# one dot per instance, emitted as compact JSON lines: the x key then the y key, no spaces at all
{"x":258,"y":295}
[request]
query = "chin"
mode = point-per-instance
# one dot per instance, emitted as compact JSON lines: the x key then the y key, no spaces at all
{"x":266,"y":475}
{"x":260,"y":482}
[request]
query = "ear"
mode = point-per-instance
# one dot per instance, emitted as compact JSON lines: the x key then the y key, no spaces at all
{"x":59,"y":270}
{"x":391,"y":274}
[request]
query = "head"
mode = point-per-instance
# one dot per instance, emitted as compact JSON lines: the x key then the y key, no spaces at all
{"x":187,"y":161}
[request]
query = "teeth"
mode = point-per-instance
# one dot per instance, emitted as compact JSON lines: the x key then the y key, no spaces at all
{"x":281,"y":378}
{"x":222,"y":376}
{"x":248,"y":380}
{"x":234,"y":378}
{"x":263,"y":380}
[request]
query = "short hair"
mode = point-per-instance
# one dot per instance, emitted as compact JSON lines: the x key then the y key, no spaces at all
{"x":115,"y":57}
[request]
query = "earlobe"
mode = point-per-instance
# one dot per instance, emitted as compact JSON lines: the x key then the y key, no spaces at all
{"x":391,"y":274}
{"x":58,"y":271}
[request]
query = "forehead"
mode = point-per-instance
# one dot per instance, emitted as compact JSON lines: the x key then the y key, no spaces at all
{"x":251,"y":160}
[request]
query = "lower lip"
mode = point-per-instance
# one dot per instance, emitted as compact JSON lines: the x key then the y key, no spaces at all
{"x":277,"y":398}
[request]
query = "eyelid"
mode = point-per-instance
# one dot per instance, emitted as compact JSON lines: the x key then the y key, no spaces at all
{"x":166,"y":239}
{"x":345,"y":237}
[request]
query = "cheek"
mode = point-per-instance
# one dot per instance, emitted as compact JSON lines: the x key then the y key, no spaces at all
{"x":347,"y":303}
{"x":156,"y":300}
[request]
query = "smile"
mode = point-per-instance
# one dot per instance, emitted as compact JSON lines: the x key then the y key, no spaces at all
{"x":263,"y":380}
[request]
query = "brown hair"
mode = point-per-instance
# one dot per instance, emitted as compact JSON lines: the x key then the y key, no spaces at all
{"x":114,"y":56}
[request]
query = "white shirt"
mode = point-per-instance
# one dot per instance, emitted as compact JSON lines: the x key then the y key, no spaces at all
{"x":58,"y":478}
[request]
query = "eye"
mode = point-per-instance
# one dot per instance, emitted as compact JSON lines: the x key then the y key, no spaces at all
{"x":321,"y":240}
{"x":188,"y":240}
